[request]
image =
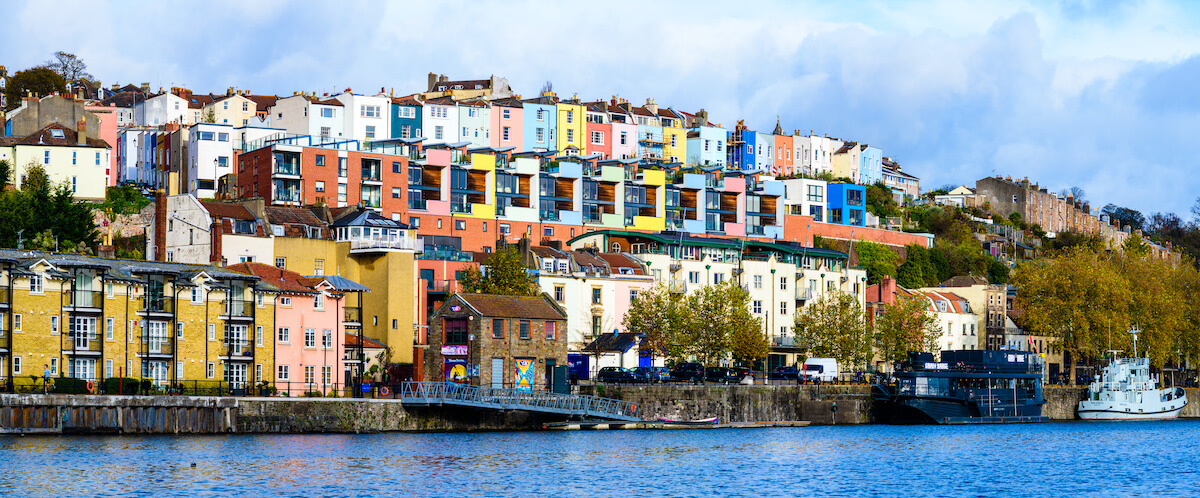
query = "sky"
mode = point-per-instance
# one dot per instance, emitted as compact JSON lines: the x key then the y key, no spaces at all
{"x":1103,"y":95}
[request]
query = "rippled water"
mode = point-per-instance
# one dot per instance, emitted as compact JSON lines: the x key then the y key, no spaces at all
{"x":1055,"y":459}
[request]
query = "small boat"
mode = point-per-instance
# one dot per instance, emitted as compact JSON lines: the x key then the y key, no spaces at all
{"x":1126,"y":391}
{"x":703,"y":421}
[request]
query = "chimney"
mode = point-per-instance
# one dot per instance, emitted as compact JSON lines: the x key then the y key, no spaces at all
{"x":229,"y":92}
{"x":431,"y":80}
{"x":160,"y":225}
{"x":651,"y":106}
{"x":887,"y":290}
{"x":145,"y":87}
{"x":81,"y":133}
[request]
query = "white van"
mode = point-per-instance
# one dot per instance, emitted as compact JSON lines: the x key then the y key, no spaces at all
{"x":818,"y":370}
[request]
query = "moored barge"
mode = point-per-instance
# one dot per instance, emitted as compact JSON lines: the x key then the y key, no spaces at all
{"x":962,"y":387}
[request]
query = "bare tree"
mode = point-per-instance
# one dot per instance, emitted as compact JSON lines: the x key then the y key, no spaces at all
{"x":1075,"y":193}
{"x":547,"y":87}
{"x":70,"y":67}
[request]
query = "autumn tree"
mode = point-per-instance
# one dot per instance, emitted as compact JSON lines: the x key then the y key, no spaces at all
{"x":747,"y":341}
{"x":835,"y":326}
{"x":39,"y":81}
{"x":906,"y":325}
{"x":503,"y":273}
{"x":713,"y":312}
{"x":70,"y":67}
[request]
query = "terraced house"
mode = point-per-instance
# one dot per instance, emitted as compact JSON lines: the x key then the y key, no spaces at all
{"x":94,"y":318}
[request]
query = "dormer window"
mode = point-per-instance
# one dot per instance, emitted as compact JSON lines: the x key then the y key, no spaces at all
{"x":57,"y":133}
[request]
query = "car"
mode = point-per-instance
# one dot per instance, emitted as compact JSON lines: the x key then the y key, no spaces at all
{"x":653,"y":374}
{"x":818,"y":370}
{"x":739,"y":372}
{"x":721,"y":375}
{"x":690,"y":371}
{"x":784,"y":373}
{"x":616,"y":375}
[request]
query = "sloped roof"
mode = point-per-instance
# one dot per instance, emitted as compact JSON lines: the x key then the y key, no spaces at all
{"x":964,"y":281}
{"x":621,"y":260}
{"x":542,"y":100}
{"x":494,"y":305}
{"x":44,"y":137}
{"x":612,"y":343}
{"x":367,"y":343}
{"x":342,"y":283}
{"x":366,"y":217}
{"x":284,"y":215}
{"x":121,"y":269}
{"x":407,"y":100}
{"x":285,"y":280}
{"x":228,"y":210}
{"x":263,"y":101}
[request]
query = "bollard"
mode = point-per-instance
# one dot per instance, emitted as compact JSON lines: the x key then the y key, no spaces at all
{"x":833,"y":408}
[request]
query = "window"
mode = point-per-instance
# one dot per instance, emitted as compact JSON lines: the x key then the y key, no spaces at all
{"x":309,"y":374}
{"x":46,"y":157}
{"x":506,"y":113}
{"x":318,"y":266}
{"x":524,"y":329}
{"x":782,"y":283}
{"x":310,"y":338}
{"x":539,"y":134}
{"x":624,"y":138}
{"x":108,"y":368}
{"x":108,"y":329}
{"x":16,"y":364}
{"x":758,"y":281}
{"x":497,"y":328}
{"x":551,"y":331}
{"x":783,"y":307}
{"x":319,"y":301}
{"x":718,"y":278}
{"x":280,"y":262}
{"x":212,"y":333}
{"x":460,"y":224}
{"x":570,"y":117}
{"x":16,"y":322}
{"x":258,"y":335}
{"x":370,"y":132}
{"x":35,"y":284}
{"x":559,"y":291}
{"x":320,"y":186}
{"x":74,"y":157}
{"x":326,"y":375}
{"x":369,"y":111}
{"x":53,"y":366}
{"x":222,"y":137}
{"x":342,"y":193}
{"x":504,"y":132}
{"x":282,"y":374}
{"x":327,"y":338}
{"x":54,"y":324}
{"x":540,"y":117}
{"x":598,"y":137}
{"x":438,"y":134}
{"x":757,"y":306}
{"x":694,"y":277}
{"x":596,"y":299}
{"x":570,"y":135}
{"x":504,"y":228}
{"x":281,"y":335}
{"x":548,"y":231}
{"x":179,"y":330}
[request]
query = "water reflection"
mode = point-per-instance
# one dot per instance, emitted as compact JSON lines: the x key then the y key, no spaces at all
{"x":1055,"y":459}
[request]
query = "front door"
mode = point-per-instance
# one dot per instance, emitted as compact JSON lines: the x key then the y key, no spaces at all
{"x":235,"y":374}
{"x":498,"y":373}
{"x":549,"y":374}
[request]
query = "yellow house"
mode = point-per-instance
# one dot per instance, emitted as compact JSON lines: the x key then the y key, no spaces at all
{"x":188,"y":328}
{"x":68,"y":157}
{"x":572,"y":127}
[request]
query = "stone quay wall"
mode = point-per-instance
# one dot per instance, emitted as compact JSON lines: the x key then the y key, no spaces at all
{"x":742,"y":403}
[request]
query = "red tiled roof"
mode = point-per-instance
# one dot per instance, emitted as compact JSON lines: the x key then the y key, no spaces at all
{"x":618,"y":260}
{"x":367,"y":343}
{"x":285,"y":280}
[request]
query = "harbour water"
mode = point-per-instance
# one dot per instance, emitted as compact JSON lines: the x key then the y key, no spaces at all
{"x":1053,"y":459}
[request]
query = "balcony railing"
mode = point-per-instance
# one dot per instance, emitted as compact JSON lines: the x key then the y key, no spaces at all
{"x":85,"y":299}
{"x":5,"y":298}
{"x":401,"y":243}
{"x":287,"y":169}
{"x":239,"y":347}
{"x":783,"y":341}
{"x":239,"y":307}
{"x":83,"y":342}
{"x":678,"y":287}
{"x":160,"y":346}
{"x":159,"y":304}
{"x":803,"y":294}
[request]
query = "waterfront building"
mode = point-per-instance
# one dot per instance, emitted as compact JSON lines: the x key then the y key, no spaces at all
{"x":121,"y":100}
{"x":475,"y":119}
{"x":706,"y":142}
{"x":805,"y":197}
{"x":870,"y":169}
{"x":846,"y":203}
{"x":93,"y":318}
{"x":599,"y":130}
{"x":188,"y":230}
{"x":742,"y":141}
{"x":905,"y":187}
{"x":572,"y":127}
{"x":784,"y":160}
{"x":365,"y":119}
{"x":815,"y":153}
{"x":508,"y":124}
{"x":987,"y":302}
{"x":764,"y":153}
{"x":496,"y":341}
{"x":487,"y":89}
{"x":960,"y":196}
{"x":541,"y":121}
{"x":674,"y":135}
{"x":210,"y":156}
{"x":624,"y":130}
{"x":301,"y":114}
{"x":406,"y":116}
{"x":162,"y":108}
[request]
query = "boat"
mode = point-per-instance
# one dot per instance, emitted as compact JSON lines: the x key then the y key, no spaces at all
{"x":962,"y":387}
{"x":1127,"y":391}
{"x":703,"y":421}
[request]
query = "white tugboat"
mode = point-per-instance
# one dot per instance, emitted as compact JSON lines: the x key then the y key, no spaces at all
{"x":1126,"y":391}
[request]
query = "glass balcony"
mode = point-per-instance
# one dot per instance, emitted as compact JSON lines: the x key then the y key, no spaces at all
{"x":239,"y":308}
{"x":159,"y":303}
{"x":84,"y":299}
{"x":352,"y":315}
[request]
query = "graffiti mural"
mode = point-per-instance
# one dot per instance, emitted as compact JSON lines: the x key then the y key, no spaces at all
{"x":524,"y":375}
{"x":456,"y":369}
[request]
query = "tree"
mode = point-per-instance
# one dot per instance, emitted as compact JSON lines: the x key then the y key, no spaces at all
{"x":997,"y":272}
{"x":210,"y":116}
{"x":503,"y":273}
{"x":712,"y":315}
{"x":35,"y":179}
{"x":5,"y":174}
{"x":747,"y":341}
{"x":878,"y":260}
{"x":660,"y":318}
{"x":1128,"y":217}
{"x":1135,"y":246}
{"x":1075,"y":193}
{"x":70,"y":67}
{"x":39,"y":81}
{"x":881,"y":201}
{"x":1196,"y":208}
{"x":124,"y":199}
{"x":906,"y":325}
{"x":835,"y":326}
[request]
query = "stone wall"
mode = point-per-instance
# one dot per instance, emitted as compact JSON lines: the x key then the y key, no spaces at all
{"x":738,"y":403}
{"x":1061,"y":402}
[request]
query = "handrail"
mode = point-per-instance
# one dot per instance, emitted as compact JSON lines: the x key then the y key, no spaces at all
{"x":505,"y":398}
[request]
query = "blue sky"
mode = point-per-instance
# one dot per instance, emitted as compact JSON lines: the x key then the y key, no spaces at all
{"x":1096,"y":94}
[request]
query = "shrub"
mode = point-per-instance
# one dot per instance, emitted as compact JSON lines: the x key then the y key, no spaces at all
{"x":117,"y":385}
{"x":67,"y":385}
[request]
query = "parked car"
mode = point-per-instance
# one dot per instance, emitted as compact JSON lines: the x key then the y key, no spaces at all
{"x":691,"y":372}
{"x":819,"y":370}
{"x":784,"y":373}
{"x":653,"y":374}
{"x":616,"y":375}
{"x":739,"y":372}
{"x":721,"y":375}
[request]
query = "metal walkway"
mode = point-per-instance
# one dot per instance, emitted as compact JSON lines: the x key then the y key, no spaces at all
{"x":571,"y":405}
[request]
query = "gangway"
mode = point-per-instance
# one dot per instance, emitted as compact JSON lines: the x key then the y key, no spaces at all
{"x":570,"y":405}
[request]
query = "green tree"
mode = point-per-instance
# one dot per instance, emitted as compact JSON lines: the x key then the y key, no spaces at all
{"x":747,"y":340}
{"x":877,"y":259}
{"x":40,"y":81}
{"x":713,"y":315}
{"x":906,"y":325}
{"x":124,"y":199}
{"x":210,"y":116}
{"x":6,"y":172}
{"x":661,"y":319}
{"x":881,"y":201}
{"x":1135,"y":246}
{"x":503,"y":273}
{"x":997,"y":272}
{"x":835,"y":326}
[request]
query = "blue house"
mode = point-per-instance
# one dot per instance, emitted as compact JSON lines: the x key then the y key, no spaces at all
{"x":870,"y":166}
{"x":541,"y":120}
{"x":406,"y":117}
{"x":741,"y":148}
{"x":846,"y":204}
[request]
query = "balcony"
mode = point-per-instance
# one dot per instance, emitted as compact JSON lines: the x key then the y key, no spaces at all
{"x":239,"y":350}
{"x":352,"y":316}
{"x":82,"y":343}
{"x":416,"y":154}
{"x":677,"y":287}
{"x":238,"y":309}
{"x":784,"y":341}
{"x":370,"y":244}
{"x":84,"y":301}
{"x":803,"y":294}
{"x":157,"y":347}
{"x":5,"y":299}
{"x":287,"y":169}
{"x":444,"y":254}
{"x":159,"y":304}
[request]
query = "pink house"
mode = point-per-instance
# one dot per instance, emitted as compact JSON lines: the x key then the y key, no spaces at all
{"x":107,"y":115}
{"x":310,"y":331}
{"x":507,"y":123}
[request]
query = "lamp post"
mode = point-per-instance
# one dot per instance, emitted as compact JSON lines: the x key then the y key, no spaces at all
{"x":766,"y":362}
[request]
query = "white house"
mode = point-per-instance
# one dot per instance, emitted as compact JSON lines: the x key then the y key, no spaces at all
{"x":322,"y":119}
{"x":162,"y":109}
{"x":366,"y":117}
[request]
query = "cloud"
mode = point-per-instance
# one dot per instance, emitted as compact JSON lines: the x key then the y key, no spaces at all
{"x":1091,"y":93}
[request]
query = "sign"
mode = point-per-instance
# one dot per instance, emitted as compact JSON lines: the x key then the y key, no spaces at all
{"x":455,"y":308}
{"x":459,"y":350}
{"x":366,"y":388}
{"x":524,"y":375}
{"x":456,"y":370}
